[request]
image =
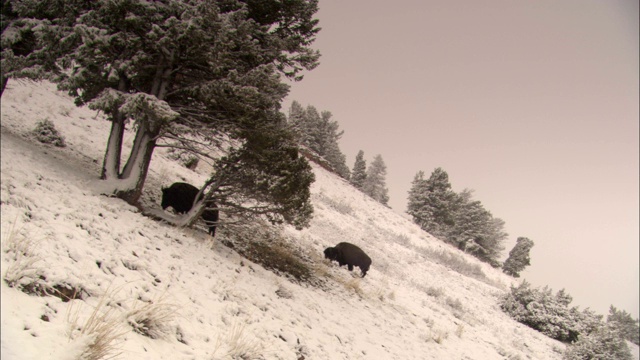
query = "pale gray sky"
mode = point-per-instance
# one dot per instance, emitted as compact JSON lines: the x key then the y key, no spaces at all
{"x":533,"y":104}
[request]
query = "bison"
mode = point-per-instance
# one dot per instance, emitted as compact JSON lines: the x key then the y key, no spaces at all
{"x":348,"y":254}
{"x":180,"y":197}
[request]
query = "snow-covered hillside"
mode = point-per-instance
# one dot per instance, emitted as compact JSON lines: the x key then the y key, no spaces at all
{"x":191,"y":297}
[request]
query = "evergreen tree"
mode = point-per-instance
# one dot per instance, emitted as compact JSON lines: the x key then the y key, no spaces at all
{"x":375,"y":182}
{"x":359,"y":172}
{"x":417,"y":201}
{"x":296,"y":118}
{"x":626,"y":325}
{"x":455,"y":218}
{"x":321,"y":134}
{"x":313,"y":133}
{"x":175,"y":69}
{"x":329,"y":145}
{"x":475,"y":230}
{"x":518,"y":257}
{"x":431,"y":203}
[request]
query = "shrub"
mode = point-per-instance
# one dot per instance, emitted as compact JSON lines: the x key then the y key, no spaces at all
{"x":604,"y":343}
{"x":434,"y":292}
{"x":269,"y":249}
{"x":456,"y":307}
{"x":46,"y":133}
{"x":550,"y":314}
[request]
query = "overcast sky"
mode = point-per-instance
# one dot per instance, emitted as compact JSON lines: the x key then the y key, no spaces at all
{"x":533,"y":104}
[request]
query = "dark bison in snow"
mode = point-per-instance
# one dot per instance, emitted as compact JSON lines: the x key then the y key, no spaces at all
{"x":348,"y":254}
{"x":180,"y":197}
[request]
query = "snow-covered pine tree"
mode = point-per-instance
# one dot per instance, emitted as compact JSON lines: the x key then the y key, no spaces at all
{"x":375,"y":183}
{"x":518,"y":257}
{"x":431,"y":203}
{"x":173,"y":68}
{"x":329,"y":145}
{"x":416,"y":204}
{"x":359,"y":172}
{"x":319,"y":133}
{"x":626,"y":325}
{"x":312,"y":132}
{"x":296,"y":120}
{"x":475,"y":230}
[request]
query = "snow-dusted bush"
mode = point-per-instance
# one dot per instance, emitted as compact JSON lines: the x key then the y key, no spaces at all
{"x":46,"y":133}
{"x":550,"y":314}
{"x":271,"y":249}
{"x":604,"y":343}
{"x":456,"y":307}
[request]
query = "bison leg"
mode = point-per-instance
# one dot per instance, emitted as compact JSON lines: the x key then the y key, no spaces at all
{"x":350,"y":267}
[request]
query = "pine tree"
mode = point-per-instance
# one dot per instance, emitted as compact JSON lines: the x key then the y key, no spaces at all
{"x":375,"y":182}
{"x":321,"y":134}
{"x":329,"y":145}
{"x":176,"y":69}
{"x":359,"y":172}
{"x":518,"y":257}
{"x":455,"y":218}
{"x":431,"y":203}
{"x":626,"y":325}
{"x":296,"y":118}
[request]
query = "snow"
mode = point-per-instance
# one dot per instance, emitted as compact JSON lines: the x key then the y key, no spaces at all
{"x":207,"y":300}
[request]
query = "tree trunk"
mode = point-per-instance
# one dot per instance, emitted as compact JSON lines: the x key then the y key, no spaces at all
{"x":111,"y":163}
{"x":3,"y":83}
{"x":137,"y":167}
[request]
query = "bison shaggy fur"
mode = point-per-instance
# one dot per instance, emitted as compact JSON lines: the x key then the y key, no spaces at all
{"x":348,"y":254}
{"x":180,"y":196}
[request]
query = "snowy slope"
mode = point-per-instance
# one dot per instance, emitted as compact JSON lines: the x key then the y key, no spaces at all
{"x":207,"y":301}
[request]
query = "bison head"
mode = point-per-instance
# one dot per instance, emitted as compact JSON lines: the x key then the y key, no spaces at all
{"x":330,"y":253}
{"x":165,"y":198}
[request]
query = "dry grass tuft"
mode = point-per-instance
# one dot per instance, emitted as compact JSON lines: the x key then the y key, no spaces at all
{"x":353,"y":284}
{"x":239,"y":345}
{"x":23,"y":272}
{"x":153,"y":318}
{"x":101,"y":331}
{"x":438,"y":335}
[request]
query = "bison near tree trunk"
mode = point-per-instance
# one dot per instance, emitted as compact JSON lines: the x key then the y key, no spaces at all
{"x":348,"y":254}
{"x":180,"y":196}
